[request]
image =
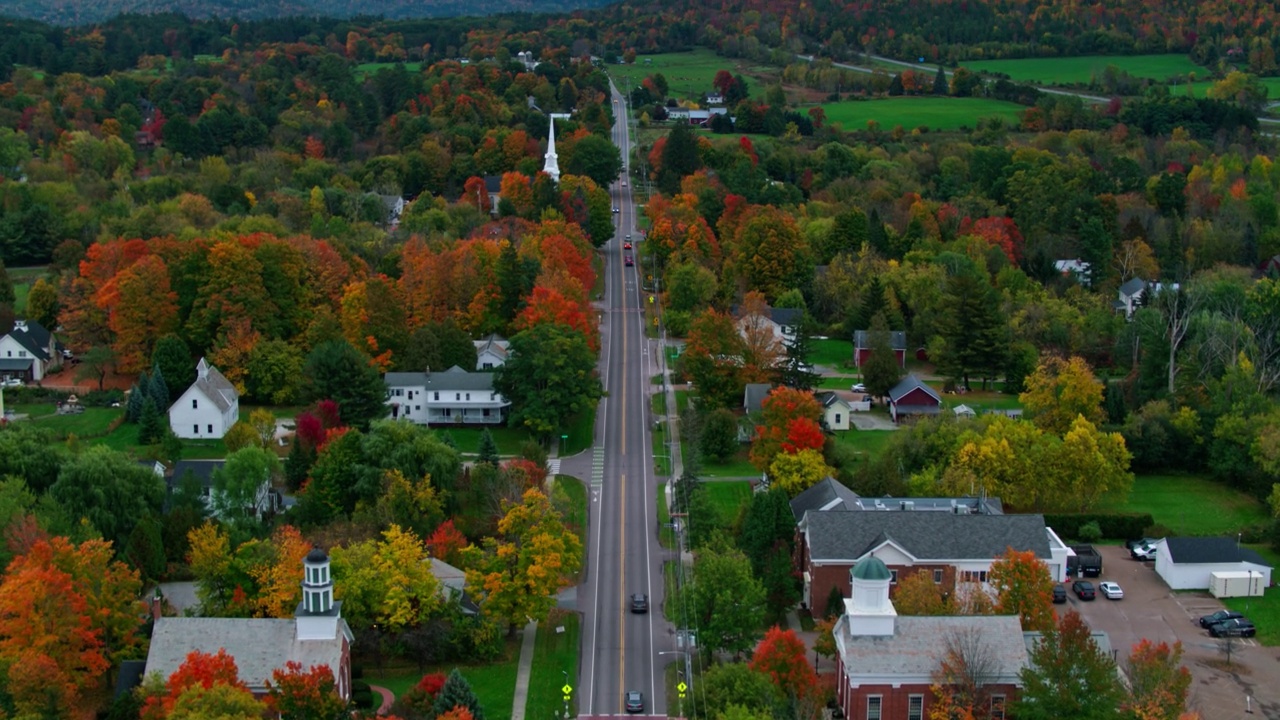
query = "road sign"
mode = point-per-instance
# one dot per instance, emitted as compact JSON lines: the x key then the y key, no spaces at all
{"x":566,"y":689}
{"x":682,"y":687}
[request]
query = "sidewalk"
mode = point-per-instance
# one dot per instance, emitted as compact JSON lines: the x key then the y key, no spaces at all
{"x":524,"y":670}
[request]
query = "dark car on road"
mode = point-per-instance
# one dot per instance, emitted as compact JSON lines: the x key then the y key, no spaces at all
{"x":1218,"y":617}
{"x":635,"y":701}
{"x":639,"y":603}
{"x":1083,"y":589}
{"x":629,"y":262}
{"x":1235,"y":627}
{"x":1059,"y":594}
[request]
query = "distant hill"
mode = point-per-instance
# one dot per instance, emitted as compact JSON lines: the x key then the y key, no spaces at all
{"x":79,"y":12}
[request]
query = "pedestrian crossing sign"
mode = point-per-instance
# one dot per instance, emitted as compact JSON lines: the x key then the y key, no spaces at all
{"x":566,"y":689}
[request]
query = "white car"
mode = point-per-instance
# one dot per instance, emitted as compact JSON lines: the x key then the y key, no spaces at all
{"x":1111,"y":590}
{"x":12,"y":382}
{"x":859,"y":387}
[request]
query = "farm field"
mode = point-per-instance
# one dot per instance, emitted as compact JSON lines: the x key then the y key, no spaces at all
{"x":1069,"y":70}
{"x":1198,"y":88}
{"x":937,"y":113}
{"x":689,"y":74}
{"x":367,"y":69}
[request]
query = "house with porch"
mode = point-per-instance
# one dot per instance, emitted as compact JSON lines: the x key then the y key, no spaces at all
{"x":452,"y":397}
{"x":955,"y":546}
{"x":885,"y":663}
{"x":28,"y":351}
{"x":862,"y":346}
{"x":912,"y":398}
{"x":208,"y":409}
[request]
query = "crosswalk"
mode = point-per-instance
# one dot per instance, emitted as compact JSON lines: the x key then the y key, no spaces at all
{"x":553,"y":467}
{"x":597,"y":467}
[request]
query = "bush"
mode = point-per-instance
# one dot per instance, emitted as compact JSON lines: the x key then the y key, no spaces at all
{"x":1120,"y":526}
{"x":1090,"y":531}
{"x":102,"y":398}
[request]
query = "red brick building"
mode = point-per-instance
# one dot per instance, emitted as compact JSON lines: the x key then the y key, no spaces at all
{"x":886,"y":663}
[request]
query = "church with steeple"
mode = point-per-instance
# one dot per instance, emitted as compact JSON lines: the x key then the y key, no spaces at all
{"x":550,"y":163}
{"x":315,"y":635}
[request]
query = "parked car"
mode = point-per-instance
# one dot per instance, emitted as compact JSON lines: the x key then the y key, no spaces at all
{"x":1143,"y":542}
{"x":859,"y":387}
{"x":11,"y":382}
{"x":1111,"y":590}
{"x":1059,"y":594}
{"x":1220,"y":616}
{"x":635,"y":701}
{"x":1083,"y":589}
{"x":1143,"y":552}
{"x":639,"y":603}
{"x":1235,"y":627}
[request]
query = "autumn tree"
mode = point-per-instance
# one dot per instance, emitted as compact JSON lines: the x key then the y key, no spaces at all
{"x":795,"y":472}
{"x":781,"y":656}
{"x":783,"y":410}
{"x":1158,"y":682}
{"x":311,"y":694}
{"x":140,"y":309}
{"x":774,"y":255}
{"x":962,"y":681}
{"x":1024,"y":588}
{"x":42,"y":303}
{"x":825,"y":643}
{"x":387,"y":582}
{"x":517,"y":574}
{"x":918,"y":594}
{"x":762,"y":352}
{"x":204,"y":685}
{"x":1059,"y":391}
{"x":447,"y":543}
{"x":710,"y":359}
{"x":1068,"y":676}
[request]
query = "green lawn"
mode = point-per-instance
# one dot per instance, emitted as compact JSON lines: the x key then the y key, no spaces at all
{"x":689,"y":74}
{"x":467,"y":439}
{"x":367,"y":69}
{"x":869,"y":443}
{"x":1263,"y":611}
{"x":574,"y":511}
{"x":494,"y":684}
{"x":979,"y":400}
{"x":837,"y":382}
{"x":1193,"y":504}
{"x":737,"y":466}
{"x":728,"y":499}
{"x":939,"y":113}
{"x":1198,"y":88}
{"x":555,"y":657}
{"x":834,"y":353}
{"x":666,"y":536}
{"x":1068,"y":70}
{"x":580,"y":431}
{"x":93,"y":422}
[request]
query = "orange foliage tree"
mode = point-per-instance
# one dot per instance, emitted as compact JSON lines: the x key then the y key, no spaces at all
{"x":780,"y":408}
{"x":549,"y":306}
{"x":297,"y":694}
{"x":1023,"y":588}
{"x":140,"y":308}
{"x":781,"y":656}
{"x":1158,"y":683}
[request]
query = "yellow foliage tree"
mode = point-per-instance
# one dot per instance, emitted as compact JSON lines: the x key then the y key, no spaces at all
{"x":797,"y":472}
{"x":1059,"y":390}
{"x":280,"y":578}
{"x":387,"y":582}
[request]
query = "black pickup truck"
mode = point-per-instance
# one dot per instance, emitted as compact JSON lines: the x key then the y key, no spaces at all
{"x":1087,"y":562}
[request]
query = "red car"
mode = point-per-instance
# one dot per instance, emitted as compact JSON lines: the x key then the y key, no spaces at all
{"x":626,"y":246}
{"x":627,"y":259}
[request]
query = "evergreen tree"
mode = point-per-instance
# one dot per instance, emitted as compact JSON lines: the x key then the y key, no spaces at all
{"x":769,"y":524}
{"x":679,"y":158}
{"x":488,"y":449}
{"x":895,"y":86}
{"x":337,"y":371}
{"x":880,"y":371}
{"x":877,"y":238}
{"x":847,"y":235}
{"x":457,"y":692}
{"x":976,"y":337}
{"x":158,"y":390}
{"x":173,"y":358}
{"x":446,"y":437}
{"x":795,"y":371}
{"x":137,"y":395}
{"x":144,"y":550}
{"x":7,"y":294}
{"x":940,"y":82}
{"x":150,"y":423}
{"x":835,"y":602}
{"x":298,"y":465}
{"x":874,"y":302}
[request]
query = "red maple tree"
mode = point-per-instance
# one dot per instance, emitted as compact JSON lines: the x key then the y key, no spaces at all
{"x":781,"y":656}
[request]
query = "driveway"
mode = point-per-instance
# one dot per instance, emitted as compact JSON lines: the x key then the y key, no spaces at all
{"x":1151,"y":610}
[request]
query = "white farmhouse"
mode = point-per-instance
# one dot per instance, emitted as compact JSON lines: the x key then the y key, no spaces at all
{"x":208,"y":409}
{"x":27,"y":351}
{"x":491,"y":352}
{"x":452,"y":397}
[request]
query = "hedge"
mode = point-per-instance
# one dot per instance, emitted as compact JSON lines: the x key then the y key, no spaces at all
{"x":1120,"y":526}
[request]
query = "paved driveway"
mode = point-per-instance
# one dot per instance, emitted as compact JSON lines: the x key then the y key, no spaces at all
{"x":1151,"y":610}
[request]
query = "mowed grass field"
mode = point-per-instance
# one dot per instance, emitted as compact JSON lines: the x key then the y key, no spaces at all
{"x":1193,"y":504}
{"x":689,"y":74}
{"x":938,"y":113}
{"x":1065,"y":71}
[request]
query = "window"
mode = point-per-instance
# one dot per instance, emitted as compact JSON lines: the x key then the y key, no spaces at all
{"x":195,"y":429}
{"x":436,"y":396}
{"x":448,"y":412}
{"x":417,"y":407}
{"x":486,"y":412}
{"x":22,"y":353}
{"x":937,"y":576}
{"x":915,"y":707}
{"x":468,"y":397}
{"x":488,"y":366}
{"x":974,"y":576}
{"x":837,"y":418}
{"x":893,"y":577}
{"x":210,"y":428}
{"x":457,"y":396}
{"x":873,"y":707}
{"x":195,"y":404}
{"x":997,"y":707}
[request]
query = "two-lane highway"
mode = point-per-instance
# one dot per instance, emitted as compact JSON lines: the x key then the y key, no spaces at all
{"x":620,"y":648}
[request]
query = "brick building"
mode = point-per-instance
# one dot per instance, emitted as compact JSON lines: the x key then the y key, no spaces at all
{"x":886,"y":664}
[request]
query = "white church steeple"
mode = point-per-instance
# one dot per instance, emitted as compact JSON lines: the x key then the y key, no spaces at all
{"x":551,"y":165}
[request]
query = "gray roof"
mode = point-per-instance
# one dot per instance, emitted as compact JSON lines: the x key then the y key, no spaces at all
{"x":1210,"y":550}
{"x":909,"y":383}
{"x":973,"y":505}
{"x":455,"y":378}
{"x":847,"y":536}
{"x":259,"y":645}
{"x":828,"y":494}
{"x":897,"y":339}
{"x":495,"y":343}
{"x":753,"y":396}
{"x":827,"y":398}
{"x":33,"y":336}
{"x":16,"y":363}
{"x":917,"y":645}
{"x":1100,"y":638}
{"x":202,"y":470}
{"x":453,"y":584}
{"x":787,"y":317}
{"x":1132,"y":286}
{"x":215,"y":386}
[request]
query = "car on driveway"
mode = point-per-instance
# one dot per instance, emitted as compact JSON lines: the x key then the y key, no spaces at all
{"x":859,"y":387}
{"x":1235,"y":627}
{"x":1059,"y":594}
{"x":1220,"y":616}
{"x":639,"y":603}
{"x":635,"y":701}
{"x":1083,"y":589}
{"x":11,"y":382}
{"x":1143,"y":552}
{"x":1140,"y":542}
{"x":1111,"y":591}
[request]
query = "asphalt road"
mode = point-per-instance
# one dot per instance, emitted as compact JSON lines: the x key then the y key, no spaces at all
{"x":620,"y":649}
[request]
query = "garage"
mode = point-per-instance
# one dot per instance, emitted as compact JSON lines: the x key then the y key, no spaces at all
{"x":1189,"y":563}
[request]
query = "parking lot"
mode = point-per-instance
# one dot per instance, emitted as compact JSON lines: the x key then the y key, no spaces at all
{"x":1150,"y":610}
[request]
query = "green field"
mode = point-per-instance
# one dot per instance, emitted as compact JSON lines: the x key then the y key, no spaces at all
{"x":689,"y":74}
{"x":555,"y":659}
{"x":1193,"y":505}
{"x":728,"y":498}
{"x":938,"y":113}
{"x":834,"y":353}
{"x":494,"y":684}
{"x":1263,"y":611}
{"x":364,"y":70}
{"x":869,"y":443}
{"x":467,"y":439}
{"x":1198,"y":88}
{"x":1070,"y":70}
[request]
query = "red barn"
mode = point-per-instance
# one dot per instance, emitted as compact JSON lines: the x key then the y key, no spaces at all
{"x":912,"y":397}
{"x":862,"y":347}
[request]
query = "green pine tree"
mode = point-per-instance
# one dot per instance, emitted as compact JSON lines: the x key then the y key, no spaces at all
{"x":940,"y":82}
{"x":877,"y":238}
{"x":150,"y":423}
{"x":158,"y":389}
{"x":488,"y":449}
{"x":457,"y":692}
{"x":977,"y":339}
{"x":137,"y":395}
{"x":880,"y":371}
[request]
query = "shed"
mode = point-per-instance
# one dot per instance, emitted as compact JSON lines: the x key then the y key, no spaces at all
{"x":1236,"y":584}
{"x":1188,"y":563}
